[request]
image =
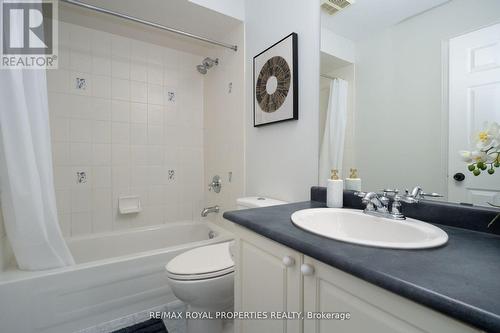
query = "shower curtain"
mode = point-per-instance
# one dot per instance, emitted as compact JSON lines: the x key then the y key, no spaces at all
{"x":332,"y":147}
{"x":26,"y":180}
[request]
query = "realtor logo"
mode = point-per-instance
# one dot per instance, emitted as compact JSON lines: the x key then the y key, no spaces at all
{"x":28,"y":34}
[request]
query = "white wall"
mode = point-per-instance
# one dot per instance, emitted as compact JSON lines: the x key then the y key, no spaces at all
{"x":337,"y":46}
{"x":224,"y":117}
{"x":399,"y":94}
{"x":5,"y":249}
{"x":124,"y":131}
{"x":282,"y":159}
{"x":233,"y":8}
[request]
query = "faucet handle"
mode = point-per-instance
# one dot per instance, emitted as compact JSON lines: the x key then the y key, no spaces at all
{"x":409,"y":199}
{"x":390,"y":191}
{"x":418,"y":193}
{"x":431,"y":195}
{"x":385,"y":198}
{"x":216,"y":184}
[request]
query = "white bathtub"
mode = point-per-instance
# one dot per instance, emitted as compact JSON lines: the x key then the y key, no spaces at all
{"x":117,"y":274}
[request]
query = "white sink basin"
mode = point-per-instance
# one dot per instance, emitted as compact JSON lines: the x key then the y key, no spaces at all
{"x":353,"y":226}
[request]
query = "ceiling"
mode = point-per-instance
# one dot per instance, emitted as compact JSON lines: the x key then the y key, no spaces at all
{"x":179,"y":14}
{"x":365,"y":17}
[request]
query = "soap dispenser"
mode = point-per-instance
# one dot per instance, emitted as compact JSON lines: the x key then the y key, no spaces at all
{"x":353,"y":182}
{"x":334,"y":191}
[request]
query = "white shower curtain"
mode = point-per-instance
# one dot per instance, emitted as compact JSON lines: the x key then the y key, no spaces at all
{"x":26,"y":179}
{"x":332,"y":147}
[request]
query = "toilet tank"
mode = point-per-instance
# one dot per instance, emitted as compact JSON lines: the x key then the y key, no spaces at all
{"x":255,"y":202}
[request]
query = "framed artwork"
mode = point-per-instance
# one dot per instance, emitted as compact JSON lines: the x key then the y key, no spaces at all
{"x":275,"y":83}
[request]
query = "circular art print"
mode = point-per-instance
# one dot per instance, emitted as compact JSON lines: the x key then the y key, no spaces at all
{"x":275,"y":89}
{"x":273,"y":84}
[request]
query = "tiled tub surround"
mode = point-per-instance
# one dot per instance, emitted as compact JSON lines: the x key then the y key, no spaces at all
{"x":459,"y":279}
{"x":224,"y":120}
{"x":130,"y":116}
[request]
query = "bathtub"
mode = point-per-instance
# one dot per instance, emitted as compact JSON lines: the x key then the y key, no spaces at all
{"x":117,"y":274}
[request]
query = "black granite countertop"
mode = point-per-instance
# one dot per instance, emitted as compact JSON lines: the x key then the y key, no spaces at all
{"x":460,"y":279}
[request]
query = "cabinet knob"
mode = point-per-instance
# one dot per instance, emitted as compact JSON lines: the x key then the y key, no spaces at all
{"x":288,"y":261}
{"x":307,"y":269}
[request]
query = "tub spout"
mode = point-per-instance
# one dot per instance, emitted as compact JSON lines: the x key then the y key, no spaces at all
{"x":207,"y":210}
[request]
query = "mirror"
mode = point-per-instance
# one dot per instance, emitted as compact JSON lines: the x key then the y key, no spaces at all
{"x":404,"y":87}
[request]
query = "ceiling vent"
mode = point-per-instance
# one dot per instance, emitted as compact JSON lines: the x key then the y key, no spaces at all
{"x":333,"y":6}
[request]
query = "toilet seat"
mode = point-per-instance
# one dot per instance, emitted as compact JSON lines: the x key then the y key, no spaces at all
{"x":201,"y":263}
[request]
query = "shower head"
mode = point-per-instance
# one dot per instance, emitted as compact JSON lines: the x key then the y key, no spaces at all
{"x":202,"y":69}
{"x":206,"y":64}
{"x":209,"y":62}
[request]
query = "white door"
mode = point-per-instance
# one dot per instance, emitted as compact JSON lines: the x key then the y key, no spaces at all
{"x":474,"y":90}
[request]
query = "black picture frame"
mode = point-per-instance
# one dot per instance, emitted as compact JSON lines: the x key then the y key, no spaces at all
{"x":293,"y":37}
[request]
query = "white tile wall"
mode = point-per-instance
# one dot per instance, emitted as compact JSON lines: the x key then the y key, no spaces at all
{"x":224,"y":124}
{"x":123,"y":130}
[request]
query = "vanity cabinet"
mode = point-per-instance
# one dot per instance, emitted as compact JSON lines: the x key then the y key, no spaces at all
{"x":267,"y":279}
{"x":372,"y":308}
{"x":273,"y":277}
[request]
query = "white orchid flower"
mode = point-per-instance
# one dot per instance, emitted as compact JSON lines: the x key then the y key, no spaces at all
{"x":474,"y":156}
{"x":489,"y":137}
{"x":485,"y":156}
{"x":479,"y":156}
{"x":466,"y":155}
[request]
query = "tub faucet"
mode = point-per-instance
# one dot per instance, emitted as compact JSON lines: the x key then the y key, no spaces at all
{"x":208,"y":210}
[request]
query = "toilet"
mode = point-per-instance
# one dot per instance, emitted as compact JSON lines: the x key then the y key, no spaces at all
{"x":256,"y":202}
{"x":203,"y":277}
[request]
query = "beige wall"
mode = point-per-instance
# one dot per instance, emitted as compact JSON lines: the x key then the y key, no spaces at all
{"x":224,"y":125}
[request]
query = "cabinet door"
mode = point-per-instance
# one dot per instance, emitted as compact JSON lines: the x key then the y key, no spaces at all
{"x":372,"y":309}
{"x":268,"y":279}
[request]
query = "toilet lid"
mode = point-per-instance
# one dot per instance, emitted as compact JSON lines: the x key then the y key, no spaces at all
{"x":201,"y":263}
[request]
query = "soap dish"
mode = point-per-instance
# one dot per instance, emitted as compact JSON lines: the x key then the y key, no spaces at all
{"x":129,"y":204}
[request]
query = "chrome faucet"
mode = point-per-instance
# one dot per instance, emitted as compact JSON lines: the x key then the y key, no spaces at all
{"x":208,"y":210}
{"x":378,"y":205}
{"x":375,"y":203}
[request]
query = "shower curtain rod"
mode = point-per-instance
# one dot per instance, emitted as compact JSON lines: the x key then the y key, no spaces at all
{"x":151,"y":24}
